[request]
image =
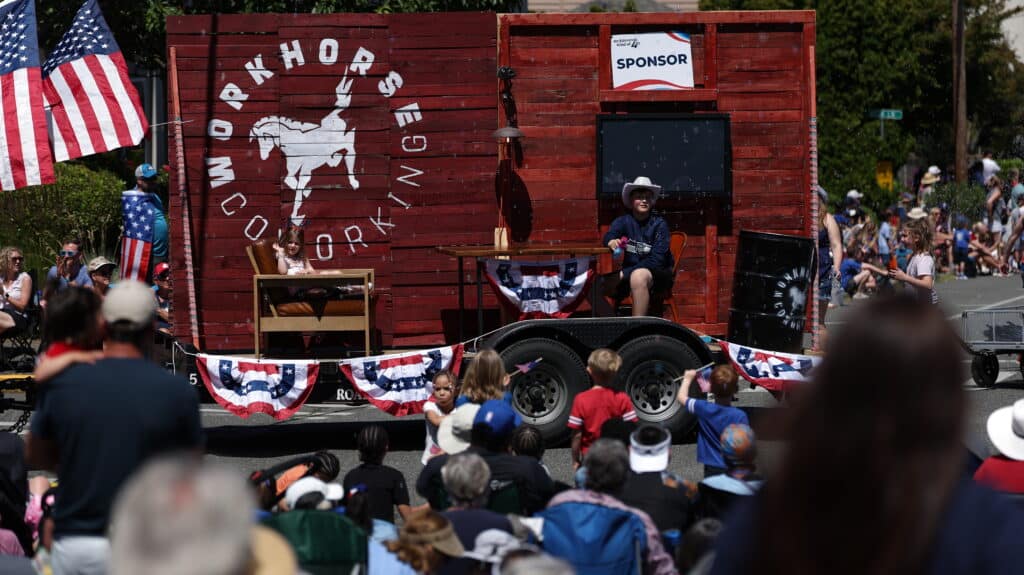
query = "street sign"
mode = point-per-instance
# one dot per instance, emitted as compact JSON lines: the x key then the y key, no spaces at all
{"x":885,"y":114}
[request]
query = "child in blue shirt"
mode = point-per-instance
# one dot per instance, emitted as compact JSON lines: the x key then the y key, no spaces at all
{"x":961,"y":245}
{"x":712,"y":418}
{"x":856,"y":275}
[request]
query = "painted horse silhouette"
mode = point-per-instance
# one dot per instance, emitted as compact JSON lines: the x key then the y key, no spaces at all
{"x":307,"y":146}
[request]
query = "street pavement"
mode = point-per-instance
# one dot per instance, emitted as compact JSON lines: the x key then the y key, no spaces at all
{"x":260,"y":441}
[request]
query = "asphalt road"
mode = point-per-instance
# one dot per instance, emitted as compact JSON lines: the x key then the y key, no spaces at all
{"x":260,"y":442}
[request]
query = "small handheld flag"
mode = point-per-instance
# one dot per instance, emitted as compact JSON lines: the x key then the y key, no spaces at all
{"x":526,"y":367}
{"x":704,"y":377}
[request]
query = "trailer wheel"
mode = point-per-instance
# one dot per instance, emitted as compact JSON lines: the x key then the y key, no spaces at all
{"x":985,"y":368}
{"x":543,"y":396}
{"x":649,"y":366}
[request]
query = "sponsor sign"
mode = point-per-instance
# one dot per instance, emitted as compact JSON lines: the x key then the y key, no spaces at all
{"x":653,"y":61}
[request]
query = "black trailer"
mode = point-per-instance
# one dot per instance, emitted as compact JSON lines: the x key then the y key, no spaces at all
{"x":655,"y":353}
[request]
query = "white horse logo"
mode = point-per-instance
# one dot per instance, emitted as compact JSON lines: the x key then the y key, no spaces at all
{"x":307,"y":146}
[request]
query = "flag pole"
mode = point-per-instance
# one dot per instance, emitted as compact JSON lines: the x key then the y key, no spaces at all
{"x":186,"y":219}
{"x":816,"y":207}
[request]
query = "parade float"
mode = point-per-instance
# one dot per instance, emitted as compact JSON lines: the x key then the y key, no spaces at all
{"x":410,"y":145}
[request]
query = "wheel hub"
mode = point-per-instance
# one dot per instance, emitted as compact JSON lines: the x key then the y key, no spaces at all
{"x":652,"y":389}
{"x":536,"y":394}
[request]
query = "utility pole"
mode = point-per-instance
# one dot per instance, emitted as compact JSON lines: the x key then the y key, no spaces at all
{"x":959,"y":91}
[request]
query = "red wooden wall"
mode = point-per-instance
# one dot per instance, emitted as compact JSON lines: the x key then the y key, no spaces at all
{"x":431,"y":181}
{"x":426,"y":183}
{"x":751,"y":65}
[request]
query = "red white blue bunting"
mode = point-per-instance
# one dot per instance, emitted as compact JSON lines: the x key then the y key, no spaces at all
{"x":401,"y":383}
{"x":540,"y":289}
{"x":769,"y":369}
{"x":246,"y":386}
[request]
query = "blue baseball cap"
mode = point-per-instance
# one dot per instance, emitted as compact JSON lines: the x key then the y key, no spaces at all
{"x":145,"y":171}
{"x":498,"y":417}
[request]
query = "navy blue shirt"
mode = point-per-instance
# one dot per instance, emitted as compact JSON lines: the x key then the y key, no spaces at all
{"x":979,"y":534}
{"x":106,"y":420}
{"x":648,"y":245}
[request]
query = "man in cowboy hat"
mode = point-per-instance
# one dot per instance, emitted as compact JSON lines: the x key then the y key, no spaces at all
{"x":644,"y":239}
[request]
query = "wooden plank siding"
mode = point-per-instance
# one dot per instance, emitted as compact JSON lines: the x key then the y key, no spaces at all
{"x":748,"y":65}
{"x":432,"y":181}
{"x":427,"y":183}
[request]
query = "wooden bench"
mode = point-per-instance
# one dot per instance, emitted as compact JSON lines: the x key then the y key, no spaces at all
{"x":276,"y":307}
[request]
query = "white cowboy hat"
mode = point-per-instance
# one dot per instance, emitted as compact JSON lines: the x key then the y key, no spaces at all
{"x":1006,"y":430}
{"x":917,"y":214}
{"x":640,"y":183}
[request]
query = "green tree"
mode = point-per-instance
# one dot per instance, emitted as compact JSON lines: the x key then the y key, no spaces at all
{"x":139,"y":26}
{"x":83,"y":203}
{"x":898,"y":54}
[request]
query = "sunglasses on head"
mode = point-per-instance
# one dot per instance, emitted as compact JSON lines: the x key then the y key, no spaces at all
{"x":68,"y":253}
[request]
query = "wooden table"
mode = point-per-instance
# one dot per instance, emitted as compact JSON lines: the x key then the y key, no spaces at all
{"x":482,"y":253}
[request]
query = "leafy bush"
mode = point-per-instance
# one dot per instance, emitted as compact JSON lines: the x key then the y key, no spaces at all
{"x":83,"y":203}
{"x":965,"y":199}
{"x":1007,"y":164}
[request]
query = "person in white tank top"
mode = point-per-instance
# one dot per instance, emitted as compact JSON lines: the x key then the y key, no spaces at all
{"x":15,"y":291}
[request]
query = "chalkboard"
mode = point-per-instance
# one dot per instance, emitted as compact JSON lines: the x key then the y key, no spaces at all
{"x":686,"y":154}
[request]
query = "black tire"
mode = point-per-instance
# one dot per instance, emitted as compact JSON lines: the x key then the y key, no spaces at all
{"x":649,"y":366}
{"x":543,"y":396}
{"x":985,"y":368}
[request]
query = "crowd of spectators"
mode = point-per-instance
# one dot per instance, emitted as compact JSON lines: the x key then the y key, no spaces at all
{"x":870,"y":252}
{"x":874,"y":454}
{"x":134,"y":495}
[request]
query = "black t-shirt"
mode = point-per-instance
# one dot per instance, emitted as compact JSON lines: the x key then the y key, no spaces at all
{"x":535,"y":485}
{"x":385,"y":487}
{"x":106,"y":420}
{"x":662,"y":496}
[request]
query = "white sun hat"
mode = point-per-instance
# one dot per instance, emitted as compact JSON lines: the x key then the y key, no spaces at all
{"x":454,"y":432}
{"x":1006,"y":430}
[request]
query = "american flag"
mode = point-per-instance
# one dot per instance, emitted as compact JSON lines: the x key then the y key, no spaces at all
{"x":93,"y":106}
{"x":139,"y":211}
{"x":704,"y":378}
{"x":527,"y":367}
{"x":24,"y":152}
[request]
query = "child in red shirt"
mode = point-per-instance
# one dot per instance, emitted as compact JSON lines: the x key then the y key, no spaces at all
{"x":598,"y":404}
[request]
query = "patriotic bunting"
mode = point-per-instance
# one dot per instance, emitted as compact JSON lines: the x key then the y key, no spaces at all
{"x":540,"y":289}
{"x":400,"y":383}
{"x":769,"y":369}
{"x":243,"y":386}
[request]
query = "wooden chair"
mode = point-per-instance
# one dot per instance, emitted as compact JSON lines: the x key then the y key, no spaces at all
{"x":278,"y":309}
{"x":676,"y":245}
